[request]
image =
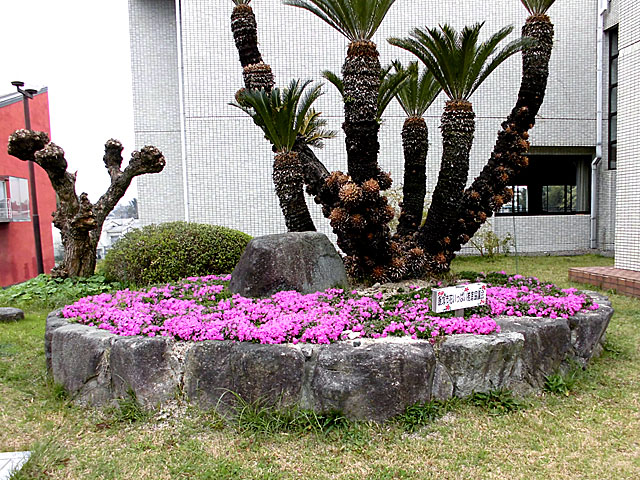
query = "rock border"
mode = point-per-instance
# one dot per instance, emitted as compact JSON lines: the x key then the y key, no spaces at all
{"x":365,"y":378}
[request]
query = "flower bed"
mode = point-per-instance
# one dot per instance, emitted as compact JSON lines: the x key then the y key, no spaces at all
{"x":201,"y":308}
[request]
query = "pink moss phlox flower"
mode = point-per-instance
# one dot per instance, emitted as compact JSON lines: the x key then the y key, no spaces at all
{"x":200,"y":308}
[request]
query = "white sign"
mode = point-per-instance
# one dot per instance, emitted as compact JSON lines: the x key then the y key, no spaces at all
{"x":457,"y":297}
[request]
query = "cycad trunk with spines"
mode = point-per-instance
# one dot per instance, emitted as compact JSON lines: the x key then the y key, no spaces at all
{"x":361,"y":216}
{"x":491,"y":189}
{"x":415,"y":144}
{"x":458,"y":127}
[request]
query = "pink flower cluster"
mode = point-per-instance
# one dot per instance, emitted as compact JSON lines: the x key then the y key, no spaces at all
{"x":527,"y":296}
{"x":200,"y":308}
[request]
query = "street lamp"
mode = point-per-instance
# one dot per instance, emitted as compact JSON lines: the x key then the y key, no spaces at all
{"x":28,"y":94}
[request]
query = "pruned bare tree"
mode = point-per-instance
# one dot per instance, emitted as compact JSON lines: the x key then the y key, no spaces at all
{"x":80,"y":221}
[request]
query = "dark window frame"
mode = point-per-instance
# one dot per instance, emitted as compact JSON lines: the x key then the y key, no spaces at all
{"x":535,"y":182}
{"x":612,"y":159}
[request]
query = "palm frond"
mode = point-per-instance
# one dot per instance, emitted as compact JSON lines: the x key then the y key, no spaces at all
{"x":355,"y":19}
{"x":390,"y":84}
{"x":241,"y":2}
{"x":313,"y":131}
{"x":335,"y":80}
{"x":280,"y":113}
{"x":456,"y":60}
{"x":418,"y":92}
{"x":537,"y":7}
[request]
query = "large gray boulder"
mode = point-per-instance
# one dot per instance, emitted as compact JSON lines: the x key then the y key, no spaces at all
{"x":372,"y":380}
{"x":10,"y":314}
{"x":303,"y":261}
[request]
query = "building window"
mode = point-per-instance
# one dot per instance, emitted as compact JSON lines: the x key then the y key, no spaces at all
{"x":4,"y":201}
{"x":613,"y":98}
{"x":14,"y":200}
{"x":551,"y":185}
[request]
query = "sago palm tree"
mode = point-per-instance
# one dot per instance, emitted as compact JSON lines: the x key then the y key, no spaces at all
{"x":460,"y":64}
{"x":282,"y":114}
{"x":415,"y":95}
{"x":491,"y":189}
{"x":360,"y":215}
{"x":357,"y":20}
{"x":256,"y":73}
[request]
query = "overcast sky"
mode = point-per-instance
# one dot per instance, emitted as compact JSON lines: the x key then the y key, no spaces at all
{"x":80,"y":50}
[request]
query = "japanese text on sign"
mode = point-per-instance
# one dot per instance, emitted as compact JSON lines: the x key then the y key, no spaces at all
{"x":457,"y":297}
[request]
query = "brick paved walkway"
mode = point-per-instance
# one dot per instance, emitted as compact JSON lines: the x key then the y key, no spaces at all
{"x":623,"y":282}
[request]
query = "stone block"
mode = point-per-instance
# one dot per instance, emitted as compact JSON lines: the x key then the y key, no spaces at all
{"x":148,"y":366}
{"x":546,"y":346}
{"x":375,"y":380}
{"x":218,"y":372}
{"x":55,"y":320}
{"x":80,"y":362}
{"x":10,"y":314}
{"x":481,"y":363}
{"x":587,"y":331}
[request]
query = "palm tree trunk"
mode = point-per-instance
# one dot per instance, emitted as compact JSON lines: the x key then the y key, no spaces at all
{"x":360,"y":214}
{"x":415,"y":144}
{"x":288,"y":181}
{"x":490,"y":190}
{"x":458,"y":126}
{"x":245,"y":34}
{"x":361,"y":78}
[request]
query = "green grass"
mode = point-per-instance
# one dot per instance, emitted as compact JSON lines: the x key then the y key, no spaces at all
{"x":589,"y":431}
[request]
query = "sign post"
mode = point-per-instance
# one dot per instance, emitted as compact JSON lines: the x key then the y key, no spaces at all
{"x":458,"y":297}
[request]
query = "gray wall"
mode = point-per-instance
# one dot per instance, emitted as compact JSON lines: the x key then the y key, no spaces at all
{"x":628,"y":188}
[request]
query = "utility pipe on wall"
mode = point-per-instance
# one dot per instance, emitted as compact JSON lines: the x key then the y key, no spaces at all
{"x":593,"y":235}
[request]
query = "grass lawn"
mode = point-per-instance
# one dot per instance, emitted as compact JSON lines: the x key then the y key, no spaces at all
{"x":592,"y":432}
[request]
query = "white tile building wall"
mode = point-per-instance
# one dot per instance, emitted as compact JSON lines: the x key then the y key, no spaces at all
{"x":628,"y":181}
{"x":227,"y":161}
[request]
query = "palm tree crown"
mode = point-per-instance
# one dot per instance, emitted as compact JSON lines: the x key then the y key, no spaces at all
{"x":357,"y":20}
{"x":456,"y":60}
{"x":280,"y":113}
{"x":417,"y":92}
{"x":537,"y":7}
{"x":241,"y":2}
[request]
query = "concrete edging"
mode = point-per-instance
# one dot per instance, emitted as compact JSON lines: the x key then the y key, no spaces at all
{"x":363,"y":378}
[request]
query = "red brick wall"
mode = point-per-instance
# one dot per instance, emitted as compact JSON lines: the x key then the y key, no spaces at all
{"x":17,"y":248}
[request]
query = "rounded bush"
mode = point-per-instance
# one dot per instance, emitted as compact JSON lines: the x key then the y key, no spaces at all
{"x":171,"y":251}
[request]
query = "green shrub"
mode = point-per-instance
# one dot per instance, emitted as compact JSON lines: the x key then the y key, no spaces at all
{"x":171,"y":251}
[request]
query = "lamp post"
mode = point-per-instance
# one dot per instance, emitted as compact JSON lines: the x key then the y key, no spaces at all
{"x":28,"y":94}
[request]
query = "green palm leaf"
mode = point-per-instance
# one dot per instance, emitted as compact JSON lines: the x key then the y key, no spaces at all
{"x":390,"y":85}
{"x":335,"y":80}
{"x":355,"y":19}
{"x":418,"y":92}
{"x":280,"y":113}
{"x":537,"y":7}
{"x":456,"y":60}
{"x":313,"y":131}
